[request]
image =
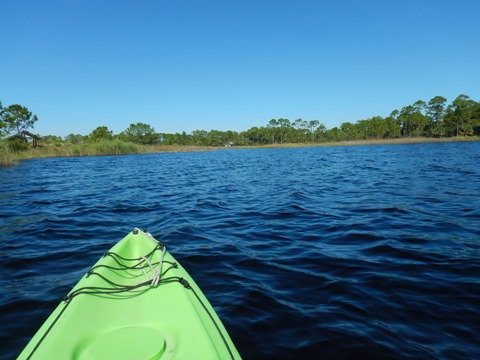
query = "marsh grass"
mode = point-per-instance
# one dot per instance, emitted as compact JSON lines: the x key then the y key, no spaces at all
{"x":101,"y":148}
{"x":6,"y":156}
{"x":114,"y":147}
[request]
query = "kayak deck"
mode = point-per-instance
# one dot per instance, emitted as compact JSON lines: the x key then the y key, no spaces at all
{"x":136,"y":302}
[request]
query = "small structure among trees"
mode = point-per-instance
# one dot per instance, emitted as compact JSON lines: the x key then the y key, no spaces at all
{"x":27,"y":137}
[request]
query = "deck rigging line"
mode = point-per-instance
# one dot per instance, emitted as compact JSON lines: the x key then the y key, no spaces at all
{"x":142,"y":263}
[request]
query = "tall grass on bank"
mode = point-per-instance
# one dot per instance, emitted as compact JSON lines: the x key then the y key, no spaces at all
{"x":113,"y":147}
{"x":6,"y":156}
{"x":101,"y":148}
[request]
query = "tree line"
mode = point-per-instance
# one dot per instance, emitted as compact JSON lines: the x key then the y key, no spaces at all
{"x":434,"y":118}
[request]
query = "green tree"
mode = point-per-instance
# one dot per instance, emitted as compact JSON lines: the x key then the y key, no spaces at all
{"x":53,"y":140}
{"x":320,"y":132}
{"x":412,"y":119}
{"x":75,"y":139}
{"x":167,"y":139}
{"x":349,"y":131}
{"x":183,"y":138}
{"x":272,"y":126}
{"x":460,"y":115}
{"x":363,"y":128}
{"x":199,"y":137}
{"x":232,"y":136}
{"x":100,"y":133}
{"x":284,"y":127}
{"x":379,"y":127}
{"x":392,"y":128}
{"x":15,"y":119}
{"x":397,"y":124}
{"x":301,"y":128}
{"x":476,"y":118}
{"x":297,"y":125}
{"x":256,"y":135}
{"x":312,"y":125}
{"x":436,"y":112}
{"x":3,"y":126}
{"x":220,"y":138}
{"x":335,"y":134}
{"x":139,"y":133}
{"x":252,"y":135}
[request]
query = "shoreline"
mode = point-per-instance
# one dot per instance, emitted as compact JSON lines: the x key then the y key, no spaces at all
{"x":46,"y":152}
{"x":367,"y":142}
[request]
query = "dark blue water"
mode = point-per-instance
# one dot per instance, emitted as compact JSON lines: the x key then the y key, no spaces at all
{"x":329,"y":252}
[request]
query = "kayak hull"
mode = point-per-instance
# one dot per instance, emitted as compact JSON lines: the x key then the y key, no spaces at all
{"x":137,"y":302}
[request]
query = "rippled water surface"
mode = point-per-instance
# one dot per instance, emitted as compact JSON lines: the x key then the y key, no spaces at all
{"x":327,"y":252}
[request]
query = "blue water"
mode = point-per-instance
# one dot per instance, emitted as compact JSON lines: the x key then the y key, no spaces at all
{"x":327,"y":252}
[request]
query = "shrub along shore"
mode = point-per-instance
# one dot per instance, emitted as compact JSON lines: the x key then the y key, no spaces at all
{"x":119,"y":147}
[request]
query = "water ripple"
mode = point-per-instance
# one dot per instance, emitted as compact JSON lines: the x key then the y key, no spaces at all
{"x":367,"y":252}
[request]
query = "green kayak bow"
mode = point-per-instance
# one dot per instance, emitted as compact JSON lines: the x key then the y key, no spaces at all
{"x":136,"y":302}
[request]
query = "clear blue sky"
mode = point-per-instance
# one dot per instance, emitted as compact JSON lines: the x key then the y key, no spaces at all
{"x":182,"y":65}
